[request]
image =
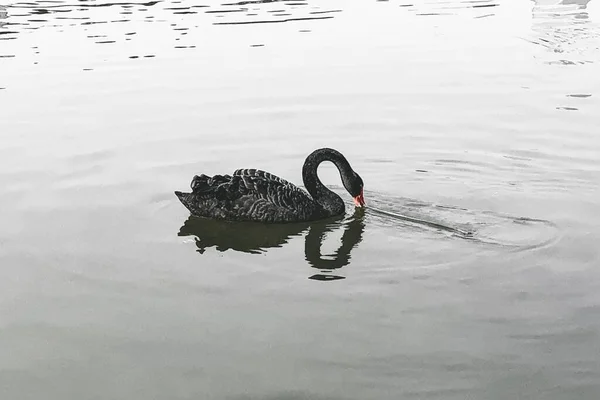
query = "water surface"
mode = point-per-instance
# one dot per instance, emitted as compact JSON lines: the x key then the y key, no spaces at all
{"x":476,"y":116}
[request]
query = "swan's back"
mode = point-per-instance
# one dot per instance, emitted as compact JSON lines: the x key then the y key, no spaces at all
{"x":249,"y":195}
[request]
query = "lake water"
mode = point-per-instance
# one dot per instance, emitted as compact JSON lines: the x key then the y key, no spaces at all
{"x":472,"y":274}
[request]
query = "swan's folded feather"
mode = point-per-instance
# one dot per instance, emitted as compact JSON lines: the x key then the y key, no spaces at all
{"x":261,"y":174}
{"x":271,"y":188}
{"x":250,"y":182}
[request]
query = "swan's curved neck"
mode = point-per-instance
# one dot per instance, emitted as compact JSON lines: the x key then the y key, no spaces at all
{"x":330,"y":201}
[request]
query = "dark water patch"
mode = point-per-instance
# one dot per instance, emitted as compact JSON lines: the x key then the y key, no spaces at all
{"x":579,"y":96}
{"x":178,"y":8}
{"x":225,"y":11}
{"x":429,"y":14}
{"x":243,"y":3}
{"x":270,"y":22}
{"x":94,"y":23}
{"x":485,"y":5}
{"x":567,"y":108}
{"x":325,"y":12}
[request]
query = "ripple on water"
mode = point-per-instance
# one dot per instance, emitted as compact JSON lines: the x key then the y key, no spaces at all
{"x":99,"y":21}
{"x":438,"y":236}
{"x":480,"y":227}
{"x":565,"y":29}
{"x":474,"y":8}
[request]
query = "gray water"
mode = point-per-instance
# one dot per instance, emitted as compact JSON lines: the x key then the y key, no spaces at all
{"x":472,"y":274}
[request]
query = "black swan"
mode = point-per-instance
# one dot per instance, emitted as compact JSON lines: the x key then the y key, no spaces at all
{"x":255,"y":195}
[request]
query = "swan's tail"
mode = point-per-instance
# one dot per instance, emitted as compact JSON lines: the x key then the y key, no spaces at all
{"x":200,"y":185}
{"x":205,"y":193}
{"x":185,"y":198}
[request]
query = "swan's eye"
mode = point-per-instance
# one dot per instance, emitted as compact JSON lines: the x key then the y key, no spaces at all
{"x":357,"y":185}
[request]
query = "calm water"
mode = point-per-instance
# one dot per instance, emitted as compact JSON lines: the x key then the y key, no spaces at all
{"x":475,"y":116}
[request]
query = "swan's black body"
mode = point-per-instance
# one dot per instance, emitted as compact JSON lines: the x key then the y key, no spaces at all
{"x":255,"y":195}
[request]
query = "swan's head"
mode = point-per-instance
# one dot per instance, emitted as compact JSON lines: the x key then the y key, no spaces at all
{"x":354,"y":186}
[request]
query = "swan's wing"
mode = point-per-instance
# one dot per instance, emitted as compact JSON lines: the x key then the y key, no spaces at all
{"x":251,"y":172}
{"x":271,"y":188}
{"x":250,"y":183}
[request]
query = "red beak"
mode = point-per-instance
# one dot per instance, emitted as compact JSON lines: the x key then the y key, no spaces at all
{"x":359,"y":201}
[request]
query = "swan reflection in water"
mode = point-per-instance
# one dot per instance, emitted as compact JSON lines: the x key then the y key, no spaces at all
{"x":256,"y":238}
